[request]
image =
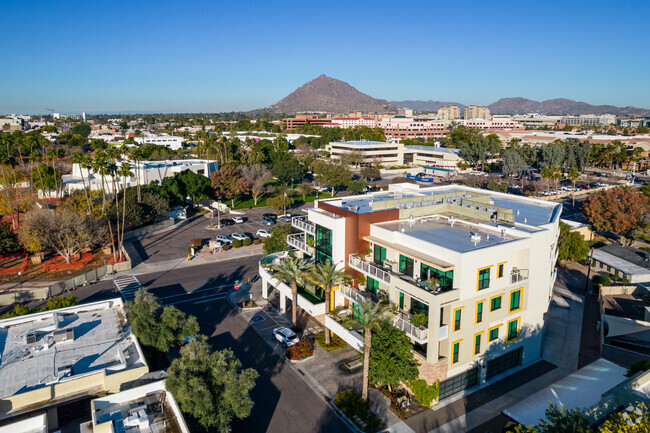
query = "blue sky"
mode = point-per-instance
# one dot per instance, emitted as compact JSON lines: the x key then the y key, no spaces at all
{"x":193,"y":56}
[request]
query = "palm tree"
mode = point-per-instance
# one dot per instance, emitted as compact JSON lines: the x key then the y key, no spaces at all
{"x":547,"y":173}
{"x":77,"y":158}
{"x":556,"y":175}
{"x":292,"y":271}
{"x":124,"y":171}
{"x":371,"y":316}
{"x":573,"y":176}
{"x":326,"y":276}
{"x":100,"y":167}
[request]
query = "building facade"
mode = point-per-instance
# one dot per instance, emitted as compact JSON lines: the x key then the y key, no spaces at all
{"x":351,"y":122}
{"x":479,"y":266}
{"x":477,"y":112}
{"x":397,"y":128}
{"x":589,"y":119}
{"x":395,"y":154}
{"x":303,"y":119}
{"x":497,"y":123}
{"x":449,"y":112}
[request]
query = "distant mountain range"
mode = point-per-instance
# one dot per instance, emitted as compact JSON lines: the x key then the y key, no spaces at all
{"x":329,"y":95}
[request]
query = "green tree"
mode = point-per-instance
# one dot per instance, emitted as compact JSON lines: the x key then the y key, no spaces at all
{"x":326,"y":276}
{"x":211,"y":386}
{"x":332,"y":174}
{"x":356,"y":186}
{"x":305,"y":189}
{"x":45,"y":178}
{"x":292,"y":271}
{"x":278,"y":239}
{"x":391,"y":357}
{"x":82,"y":129}
{"x":371,"y":316}
{"x":370,"y":172}
{"x":513,"y":162}
{"x":279,"y":202}
{"x":573,"y":176}
{"x":228,"y":183}
{"x":8,"y":239}
{"x":558,"y":420}
{"x":161,"y":328}
{"x":196,"y":185}
{"x":288,"y":170}
{"x":571,"y":245}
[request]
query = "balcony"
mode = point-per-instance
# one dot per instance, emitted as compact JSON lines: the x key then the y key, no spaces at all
{"x":368,"y":269}
{"x":353,"y":295}
{"x":299,"y":242}
{"x":421,"y":336}
{"x":518,"y":276}
{"x":301,"y":223}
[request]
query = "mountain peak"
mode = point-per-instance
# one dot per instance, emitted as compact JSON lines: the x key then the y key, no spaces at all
{"x":328,"y":95}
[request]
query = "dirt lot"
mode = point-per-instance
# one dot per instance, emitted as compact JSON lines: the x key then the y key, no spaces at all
{"x":35,"y":272}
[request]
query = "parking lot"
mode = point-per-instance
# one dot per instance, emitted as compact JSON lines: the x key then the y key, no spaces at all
{"x":173,"y":243}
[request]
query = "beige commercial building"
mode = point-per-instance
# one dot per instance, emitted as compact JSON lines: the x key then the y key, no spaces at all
{"x":477,"y":112}
{"x":449,"y":112}
{"x":54,"y":357}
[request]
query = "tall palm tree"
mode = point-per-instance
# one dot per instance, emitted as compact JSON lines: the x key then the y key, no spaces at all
{"x":124,"y":171}
{"x":556,"y":175}
{"x":547,"y":174}
{"x":371,"y":316}
{"x":77,"y":158}
{"x":292,"y":271}
{"x":573,"y":176}
{"x":100,"y":167}
{"x":326,"y":276}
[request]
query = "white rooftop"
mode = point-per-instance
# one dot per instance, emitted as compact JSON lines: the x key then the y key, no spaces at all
{"x":96,"y":340}
{"x":35,"y":424}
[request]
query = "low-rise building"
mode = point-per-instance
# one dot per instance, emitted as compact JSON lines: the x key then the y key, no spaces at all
{"x":625,"y":262}
{"x":495,"y":124}
{"x":478,"y":265}
{"x":589,"y":119}
{"x":145,"y":409}
{"x":303,"y":119}
{"x":395,"y":154}
{"x":351,"y":122}
{"x":397,"y":128}
{"x":171,"y":141}
{"x":477,"y":112}
{"x":54,"y":357}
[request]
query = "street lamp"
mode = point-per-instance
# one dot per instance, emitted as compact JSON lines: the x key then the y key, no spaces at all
{"x":218,"y":214}
{"x":284,"y":203}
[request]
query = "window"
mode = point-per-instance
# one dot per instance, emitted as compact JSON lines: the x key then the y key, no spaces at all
{"x":513,"y":329}
{"x":493,"y":334}
{"x":406,"y":265}
{"x":456,"y":352}
{"x":477,"y":344}
{"x":379,"y":255}
{"x":457,"y":314}
{"x":500,"y":270}
{"x":373,"y":285}
{"x":515,"y":300}
{"x":479,"y":312}
{"x":495,"y":303}
{"x":483,"y":278}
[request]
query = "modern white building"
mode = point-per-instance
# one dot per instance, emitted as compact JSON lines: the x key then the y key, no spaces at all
{"x":478,"y":265}
{"x":172,"y":141}
{"x":147,"y":172}
{"x":589,"y":119}
{"x":351,"y":122}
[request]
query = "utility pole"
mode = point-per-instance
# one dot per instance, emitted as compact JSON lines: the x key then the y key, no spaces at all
{"x":218,"y":214}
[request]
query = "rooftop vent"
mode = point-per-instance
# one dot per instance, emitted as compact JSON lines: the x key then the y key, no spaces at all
{"x":31,"y":337}
{"x":474,"y":237}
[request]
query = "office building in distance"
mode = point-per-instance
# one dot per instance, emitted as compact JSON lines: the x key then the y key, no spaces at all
{"x":449,"y":112}
{"x":397,"y":128}
{"x":477,"y":112}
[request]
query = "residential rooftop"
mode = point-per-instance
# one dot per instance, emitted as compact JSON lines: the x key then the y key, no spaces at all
{"x":432,"y":149}
{"x":43,"y":349}
{"x":627,"y":259}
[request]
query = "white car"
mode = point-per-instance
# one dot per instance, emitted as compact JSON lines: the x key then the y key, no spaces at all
{"x":239,"y":236}
{"x":225,"y":239}
{"x":238,"y":219}
{"x":263,"y":233}
{"x":285,"y":336}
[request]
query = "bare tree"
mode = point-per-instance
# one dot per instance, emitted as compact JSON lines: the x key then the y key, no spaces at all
{"x":256,"y":175}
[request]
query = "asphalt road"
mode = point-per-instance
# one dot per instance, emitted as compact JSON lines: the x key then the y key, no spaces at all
{"x":283,"y":402}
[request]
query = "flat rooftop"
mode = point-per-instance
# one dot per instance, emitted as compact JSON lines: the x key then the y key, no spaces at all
{"x":628,"y":259}
{"x":431,"y":149}
{"x":63,"y":344}
{"x":459,"y":236}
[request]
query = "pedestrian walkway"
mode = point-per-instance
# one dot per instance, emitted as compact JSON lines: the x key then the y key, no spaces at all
{"x":127,"y":286}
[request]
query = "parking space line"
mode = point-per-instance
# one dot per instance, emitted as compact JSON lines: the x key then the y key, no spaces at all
{"x":196,"y":291}
{"x":211,"y":299}
{"x":214,"y":297}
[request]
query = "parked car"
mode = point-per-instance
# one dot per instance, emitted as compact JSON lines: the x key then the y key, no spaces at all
{"x":239,"y":220}
{"x":227,"y":221}
{"x":270,"y":215}
{"x":325,"y":188}
{"x":585,"y":187}
{"x":594,"y":184}
{"x":263,"y":233}
{"x":284,"y":218}
{"x":225,"y":239}
{"x":601,"y":184}
{"x":285,"y":336}
{"x":268,"y":221}
{"x":240,"y":236}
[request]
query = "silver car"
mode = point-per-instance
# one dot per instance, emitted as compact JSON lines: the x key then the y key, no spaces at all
{"x":285,"y":336}
{"x":240,"y":236}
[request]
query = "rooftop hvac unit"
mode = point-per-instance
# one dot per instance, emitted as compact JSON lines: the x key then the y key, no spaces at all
{"x":63,"y":335}
{"x":31,"y":337}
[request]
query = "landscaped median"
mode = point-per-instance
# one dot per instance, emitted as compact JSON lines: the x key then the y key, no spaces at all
{"x":299,"y":351}
{"x":357,"y":411}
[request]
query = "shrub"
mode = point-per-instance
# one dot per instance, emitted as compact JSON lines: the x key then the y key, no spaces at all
{"x":301,"y":350}
{"x":236,"y":243}
{"x":256,"y":242}
{"x":643,"y":365}
{"x":19,"y":310}
{"x":626,"y":281}
{"x":197,"y":242}
{"x":420,"y":320}
{"x":246,"y":242}
{"x":424,"y":393}
{"x":603,"y":280}
{"x":351,"y":404}
{"x":226,"y":247}
{"x":335,"y":342}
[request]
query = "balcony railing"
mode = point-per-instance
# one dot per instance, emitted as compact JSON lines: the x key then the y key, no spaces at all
{"x":519,"y":275}
{"x":301,"y":223}
{"x":443,"y":333}
{"x":369,"y":269}
{"x":417,"y":334}
{"x":354,"y":295}
{"x":298,"y":241}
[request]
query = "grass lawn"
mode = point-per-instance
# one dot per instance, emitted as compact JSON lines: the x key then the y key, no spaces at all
{"x":246,"y":202}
